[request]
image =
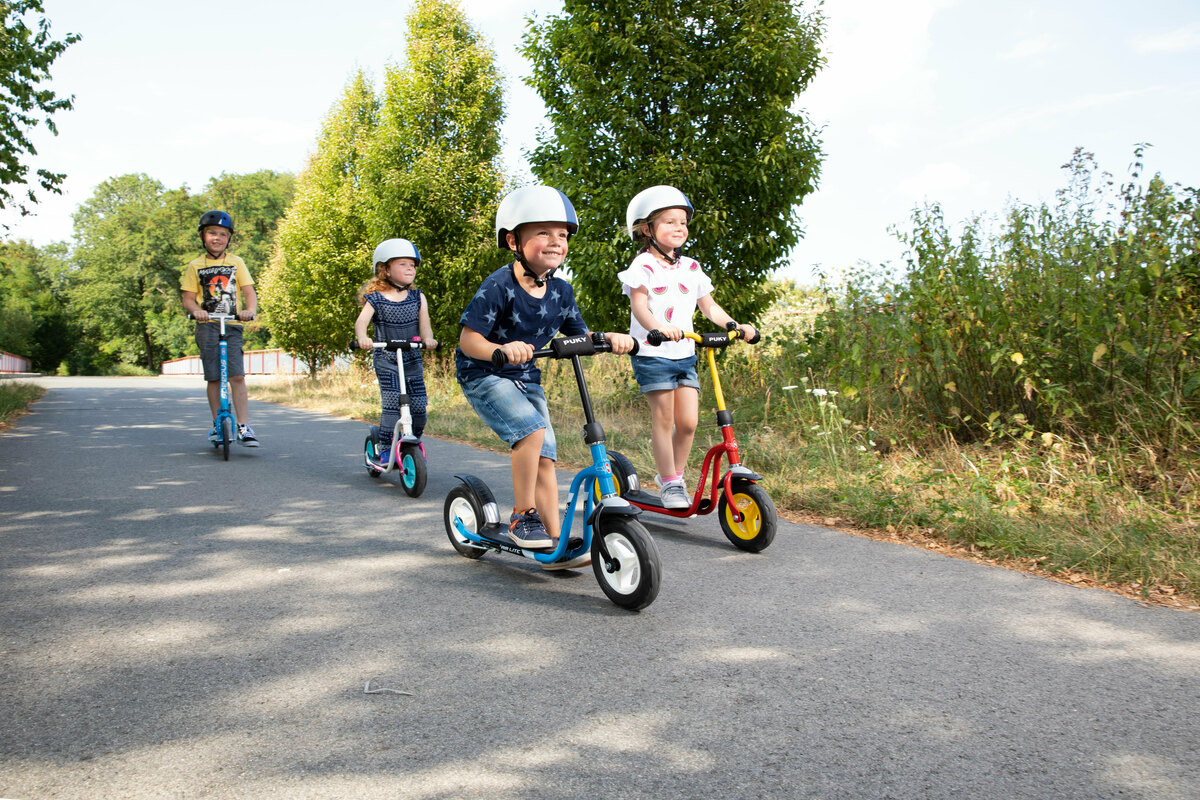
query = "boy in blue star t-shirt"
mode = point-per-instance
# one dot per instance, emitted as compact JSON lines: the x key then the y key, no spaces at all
{"x":519,"y":308}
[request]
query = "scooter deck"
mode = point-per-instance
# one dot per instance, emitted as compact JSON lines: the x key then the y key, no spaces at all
{"x":498,"y":533}
{"x":640,"y":498}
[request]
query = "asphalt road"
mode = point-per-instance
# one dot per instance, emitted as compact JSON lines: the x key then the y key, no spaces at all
{"x":175,"y":626}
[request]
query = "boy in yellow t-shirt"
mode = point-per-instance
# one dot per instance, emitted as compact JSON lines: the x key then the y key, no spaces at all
{"x":210,"y":285}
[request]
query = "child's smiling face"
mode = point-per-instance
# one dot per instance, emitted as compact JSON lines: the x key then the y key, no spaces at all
{"x":670,"y":228}
{"x":401,"y":270}
{"x":215,"y":239}
{"x":543,"y":244}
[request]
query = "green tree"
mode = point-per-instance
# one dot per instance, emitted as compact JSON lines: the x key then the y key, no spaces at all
{"x":33,"y":317}
{"x":308,"y":290}
{"x":132,"y":238}
{"x":432,"y":172}
{"x":702,"y":97}
{"x":257,"y":202}
{"x":26,"y":54}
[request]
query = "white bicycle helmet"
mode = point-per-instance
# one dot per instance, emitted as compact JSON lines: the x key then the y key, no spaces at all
{"x":394,"y":248}
{"x":656,"y":198}
{"x":533,"y":204}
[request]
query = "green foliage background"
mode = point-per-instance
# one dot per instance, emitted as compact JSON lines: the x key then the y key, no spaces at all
{"x":421,"y":163}
{"x":700,"y":96}
{"x":27,"y":51}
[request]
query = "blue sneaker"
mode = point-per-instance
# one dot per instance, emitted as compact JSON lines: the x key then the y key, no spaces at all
{"x":526,"y":530}
{"x":383,"y":455}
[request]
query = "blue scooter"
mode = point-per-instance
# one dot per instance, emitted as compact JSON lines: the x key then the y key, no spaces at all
{"x":623,"y":555}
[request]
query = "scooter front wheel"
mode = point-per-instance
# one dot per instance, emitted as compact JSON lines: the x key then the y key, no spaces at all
{"x":465,"y":505}
{"x":226,"y":435}
{"x":754,"y":528}
{"x":632,"y":575}
{"x":414,"y":475}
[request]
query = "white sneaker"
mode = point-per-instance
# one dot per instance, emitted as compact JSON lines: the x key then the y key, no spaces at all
{"x":246,"y":434}
{"x":673,"y":494}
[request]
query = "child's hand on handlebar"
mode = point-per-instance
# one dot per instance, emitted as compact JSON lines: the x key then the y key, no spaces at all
{"x":365,"y":342}
{"x":200,"y":315}
{"x":748,"y":332}
{"x":245,"y":316}
{"x":518,"y":352}
{"x":621,"y":342}
{"x":671,"y":332}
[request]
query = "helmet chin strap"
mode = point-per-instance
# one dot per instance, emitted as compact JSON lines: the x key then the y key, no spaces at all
{"x":671,"y":257}
{"x":538,"y":281}
{"x":398,"y":287}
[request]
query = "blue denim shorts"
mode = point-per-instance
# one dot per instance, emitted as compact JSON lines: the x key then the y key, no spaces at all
{"x":208,"y":338}
{"x":655,"y":374}
{"x":512,"y":409}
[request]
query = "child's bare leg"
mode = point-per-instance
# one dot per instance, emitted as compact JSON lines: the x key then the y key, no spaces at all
{"x":214,"y":397}
{"x":240,"y":397}
{"x":662,"y":420}
{"x":525,"y":456}
{"x":547,"y":495}
{"x":687,"y":413}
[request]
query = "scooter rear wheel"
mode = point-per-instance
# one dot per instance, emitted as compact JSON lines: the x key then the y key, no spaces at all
{"x":632,"y":577}
{"x":414,"y":475}
{"x":369,"y":451}
{"x":464,"y":504}
{"x":755,"y":530}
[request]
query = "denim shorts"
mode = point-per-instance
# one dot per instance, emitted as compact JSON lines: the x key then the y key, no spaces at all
{"x":208,"y":337}
{"x":512,"y":409}
{"x":655,"y":374}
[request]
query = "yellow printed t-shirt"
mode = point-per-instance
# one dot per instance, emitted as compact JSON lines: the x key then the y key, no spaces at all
{"x":216,"y":282}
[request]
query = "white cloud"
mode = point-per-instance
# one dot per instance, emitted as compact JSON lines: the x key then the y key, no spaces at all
{"x":1029,"y":48}
{"x":935,"y":180}
{"x":1177,"y":41}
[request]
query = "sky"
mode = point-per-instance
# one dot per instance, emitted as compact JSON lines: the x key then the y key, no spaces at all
{"x":966,"y":103}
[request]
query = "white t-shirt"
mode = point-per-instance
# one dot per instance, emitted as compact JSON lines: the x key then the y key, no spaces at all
{"x":674,"y":290}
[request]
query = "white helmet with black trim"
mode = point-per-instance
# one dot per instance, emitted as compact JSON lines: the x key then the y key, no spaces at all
{"x":388,"y":249}
{"x":533,"y":204}
{"x":656,"y":198}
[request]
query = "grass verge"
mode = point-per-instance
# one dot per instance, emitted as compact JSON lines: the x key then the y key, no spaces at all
{"x":15,"y":398}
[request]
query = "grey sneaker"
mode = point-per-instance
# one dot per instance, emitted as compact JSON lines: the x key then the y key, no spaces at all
{"x":214,"y":435}
{"x":246,"y":434}
{"x":526,"y":530}
{"x":674,"y":496}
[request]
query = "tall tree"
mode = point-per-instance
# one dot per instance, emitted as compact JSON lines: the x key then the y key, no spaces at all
{"x":132,"y":238}
{"x":432,"y":172}
{"x":700,"y":96}
{"x":308,"y":290}
{"x":26,"y":54}
{"x":257,"y":202}
{"x":33,"y":318}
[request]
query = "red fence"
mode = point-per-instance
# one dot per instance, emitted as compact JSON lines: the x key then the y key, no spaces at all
{"x":256,"y":362}
{"x":11,"y":363}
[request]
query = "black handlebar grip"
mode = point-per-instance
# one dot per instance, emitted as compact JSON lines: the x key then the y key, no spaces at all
{"x":755,"y":338}
{"x":499,"y":358}
{"x":730,"y":325}
{"x":655,"y":337}
{"x":636,"y":347}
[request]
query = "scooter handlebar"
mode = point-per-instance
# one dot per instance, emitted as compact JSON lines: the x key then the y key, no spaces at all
{"x":565,"y":347}
{"x":226,"y":317}
{"x":397,"y":344}
{"x":656,"y":337}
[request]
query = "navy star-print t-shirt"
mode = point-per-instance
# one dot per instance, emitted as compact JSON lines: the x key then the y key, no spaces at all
{"x":502,"y":312}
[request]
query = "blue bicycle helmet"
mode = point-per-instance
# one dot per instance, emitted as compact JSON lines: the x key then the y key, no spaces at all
{"x":219,"y":218}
